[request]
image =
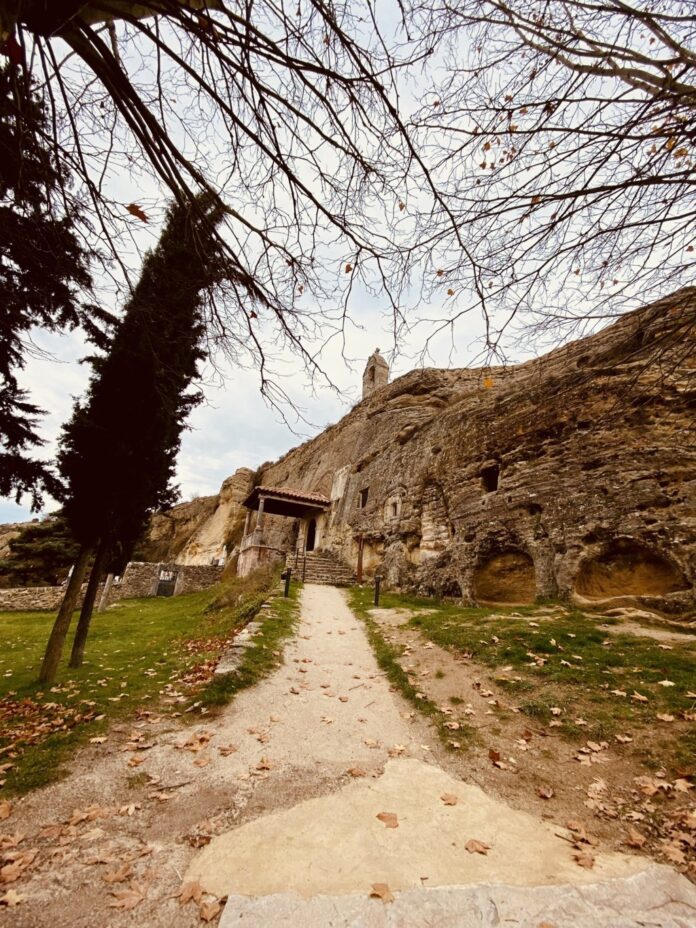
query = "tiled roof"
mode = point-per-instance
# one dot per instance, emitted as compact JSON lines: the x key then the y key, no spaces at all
{"x":288,"y":493}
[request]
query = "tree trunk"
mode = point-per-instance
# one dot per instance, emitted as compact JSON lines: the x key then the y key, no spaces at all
{"x":104,"y":601}
{"x":78,"y":648}
{"x":54,"y":648}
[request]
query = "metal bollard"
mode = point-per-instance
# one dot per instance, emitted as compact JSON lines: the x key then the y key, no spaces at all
{"x":378,"y":580}
{"x":288,"y":575}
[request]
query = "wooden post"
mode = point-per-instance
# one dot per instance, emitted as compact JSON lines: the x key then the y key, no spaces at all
{"x":359,"y":572}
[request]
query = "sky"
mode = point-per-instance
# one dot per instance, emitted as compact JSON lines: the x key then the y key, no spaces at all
{"x":234,"y":427}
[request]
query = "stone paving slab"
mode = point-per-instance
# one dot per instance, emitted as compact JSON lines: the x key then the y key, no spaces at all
{"x":658,"y":897}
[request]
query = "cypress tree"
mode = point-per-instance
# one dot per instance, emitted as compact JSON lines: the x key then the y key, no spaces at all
{"x":118,"y":452}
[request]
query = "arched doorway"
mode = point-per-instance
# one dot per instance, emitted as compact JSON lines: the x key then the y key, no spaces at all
{"x":311,"y":535}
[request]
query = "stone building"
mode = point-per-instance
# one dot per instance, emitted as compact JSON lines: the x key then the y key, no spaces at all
{"x":573,"y":474}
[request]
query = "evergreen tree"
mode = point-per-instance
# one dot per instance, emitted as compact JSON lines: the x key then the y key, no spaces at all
{"x":118,"y":452}
{"x":41,"y":555}
{"x":42,"y":270}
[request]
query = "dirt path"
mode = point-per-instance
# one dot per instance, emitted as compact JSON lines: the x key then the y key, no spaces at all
{"x":275,"y":803}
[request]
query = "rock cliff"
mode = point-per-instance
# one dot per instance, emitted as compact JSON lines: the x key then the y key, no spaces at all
{"x":571,"y":474}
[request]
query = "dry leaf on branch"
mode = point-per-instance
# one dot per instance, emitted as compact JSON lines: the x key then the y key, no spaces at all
{"x":477,"y":847}
{"x":381,"y":891}
{"x":137,"y":211}
{"x":389,"y":818}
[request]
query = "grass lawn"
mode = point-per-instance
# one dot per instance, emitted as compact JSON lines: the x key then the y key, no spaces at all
{"x":138,"y":652}
{"x":566,"y":661}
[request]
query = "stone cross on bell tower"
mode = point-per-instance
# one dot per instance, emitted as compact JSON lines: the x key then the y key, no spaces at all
{"x":376,"y":373}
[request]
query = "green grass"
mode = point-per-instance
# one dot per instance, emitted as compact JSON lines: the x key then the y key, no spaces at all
{"x":263,"y":655}
{"x":582,"y":664}
{"x":136,"y":650}
{"x":388,"y":655}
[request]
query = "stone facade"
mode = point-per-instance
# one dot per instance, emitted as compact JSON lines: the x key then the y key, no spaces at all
{"x":573,"y":474}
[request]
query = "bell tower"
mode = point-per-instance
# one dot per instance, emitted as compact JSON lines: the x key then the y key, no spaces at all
{"x":376,"y":374}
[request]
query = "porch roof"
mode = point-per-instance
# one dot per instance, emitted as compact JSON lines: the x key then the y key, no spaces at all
{"x":284,"y":501}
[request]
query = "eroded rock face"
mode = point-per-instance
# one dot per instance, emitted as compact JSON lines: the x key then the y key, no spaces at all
{"x":574,"y":473}
{"x":171,"y":531}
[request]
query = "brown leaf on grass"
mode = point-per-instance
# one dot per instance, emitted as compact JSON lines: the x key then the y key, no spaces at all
{"x":638,"y":697}
{"x":357,"y":772}
{"x":208,"y":910}
{"x":192,"y":890}
{"x":635,"y":838}
{"x":545,"y":792}
{"x":477,"y":847}
{"x":120,"y":875}
{"x":381,"y":891}
{"x":449,"y":799}
{"x":5,"y":809}
{"x":584,"y":858}
{"x":665,"y":717}
{"x":389,"y":818}
{"x":11,"y":898}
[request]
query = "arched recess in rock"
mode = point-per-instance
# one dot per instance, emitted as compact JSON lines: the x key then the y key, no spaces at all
{"x":435,"y":528}
{"x":505,"y":577}
{"x":628,"y":568}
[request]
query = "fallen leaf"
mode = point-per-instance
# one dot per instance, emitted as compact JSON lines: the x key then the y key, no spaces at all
{"x":584,"y":859}
{"x":202,"y":761}
{"x":389,"y":819}
{"x":226,"y":750}
{"x":665,"y":683}
{"x":449,"y":799}
{"x":128,"y":898}
{"x":120,"y":875}
{"x":635,"y":838}
{"x":11,"y":898}
{"x":192,"y":890}
{"x":476,"y":847}
{"x":357,"y":772}
{"x":665,"y":717}
{"x":494,"y":755}
{"x":545,"y":792}
{"x":208,"y":910}
{"x":381,"y":891}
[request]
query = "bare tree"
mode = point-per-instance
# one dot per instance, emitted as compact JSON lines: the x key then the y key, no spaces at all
{"x":565,"y":136}
{"x":290,"y":109}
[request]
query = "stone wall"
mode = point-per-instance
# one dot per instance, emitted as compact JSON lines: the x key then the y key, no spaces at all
{"x":140,"y":579}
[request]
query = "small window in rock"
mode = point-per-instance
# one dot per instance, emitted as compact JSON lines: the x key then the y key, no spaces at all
{"x":362,"y":500}
{"x":394,"y":510}
{"x":489,"y":477}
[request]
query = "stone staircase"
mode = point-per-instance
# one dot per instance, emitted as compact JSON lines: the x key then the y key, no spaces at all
{"x":320,"y":567}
